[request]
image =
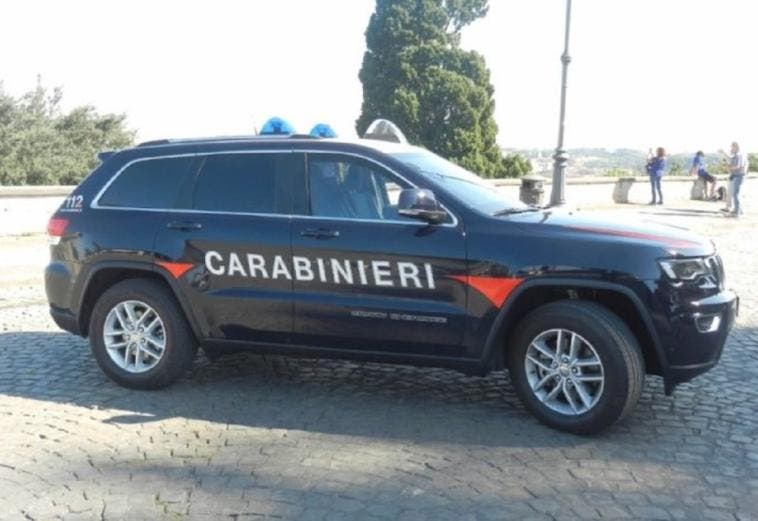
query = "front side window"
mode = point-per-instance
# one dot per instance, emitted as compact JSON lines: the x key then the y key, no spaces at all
{"x":347,"y":187}
{"x":149,"y":183}
{"x":244,"y":183}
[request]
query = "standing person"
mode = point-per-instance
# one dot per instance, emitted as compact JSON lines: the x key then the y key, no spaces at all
{"x":655,"y":169}
{"x":737,"y":169}
{"x":698,"y":169}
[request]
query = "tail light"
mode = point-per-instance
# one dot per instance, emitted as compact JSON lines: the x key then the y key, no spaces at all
{"x":56,"y":227}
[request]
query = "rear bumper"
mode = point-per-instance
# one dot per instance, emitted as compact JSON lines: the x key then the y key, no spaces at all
{"x":65,"y":320}
{"x":59,"y":287}
{"x":59,"y":284}
{"x":699,"y":334}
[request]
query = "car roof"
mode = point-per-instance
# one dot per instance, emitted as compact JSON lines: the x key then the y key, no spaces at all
{"x":387,"y":147}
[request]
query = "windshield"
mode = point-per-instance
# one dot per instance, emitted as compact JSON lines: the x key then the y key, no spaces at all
{"x":467,"y":187}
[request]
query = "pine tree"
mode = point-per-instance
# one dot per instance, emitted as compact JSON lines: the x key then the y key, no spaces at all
{"x":415,"y":74}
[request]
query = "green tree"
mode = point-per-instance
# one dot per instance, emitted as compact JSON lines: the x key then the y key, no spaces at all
{"x":42,"y":144}
{"x":415,"y":74}
{"x":675,"y":167}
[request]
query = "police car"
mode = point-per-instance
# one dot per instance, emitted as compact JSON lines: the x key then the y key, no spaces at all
{"x":375,"y":250}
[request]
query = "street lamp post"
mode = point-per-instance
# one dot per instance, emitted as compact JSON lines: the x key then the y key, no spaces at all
{"x":560,"y":158}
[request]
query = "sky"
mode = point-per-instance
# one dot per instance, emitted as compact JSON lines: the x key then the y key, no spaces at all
{"x":674,"y":73}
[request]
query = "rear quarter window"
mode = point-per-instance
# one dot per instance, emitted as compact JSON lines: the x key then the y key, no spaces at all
{"x":149,"y":183}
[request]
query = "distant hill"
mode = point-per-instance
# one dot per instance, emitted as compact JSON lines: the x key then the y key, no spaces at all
{"x":604,"y":161}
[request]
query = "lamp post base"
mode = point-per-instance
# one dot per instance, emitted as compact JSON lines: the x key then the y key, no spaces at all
{"x":558,"y":191}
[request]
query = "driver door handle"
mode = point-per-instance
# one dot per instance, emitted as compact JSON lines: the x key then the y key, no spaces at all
{"x":320,"y":233}
{"x":185,"y":226}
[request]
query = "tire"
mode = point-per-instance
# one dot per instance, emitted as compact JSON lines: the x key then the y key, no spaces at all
{"x":612,"y":387}
{"x":173,"y":331}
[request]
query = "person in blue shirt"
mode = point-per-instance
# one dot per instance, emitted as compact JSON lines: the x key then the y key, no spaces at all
{"x":698,"y":169}
{"x":656,"y":166}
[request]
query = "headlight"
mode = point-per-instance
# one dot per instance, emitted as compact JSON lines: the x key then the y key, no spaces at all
{"x":684,"y":269}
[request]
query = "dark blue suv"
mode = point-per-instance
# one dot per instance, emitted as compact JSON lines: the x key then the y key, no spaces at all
{"x":375,"y":251}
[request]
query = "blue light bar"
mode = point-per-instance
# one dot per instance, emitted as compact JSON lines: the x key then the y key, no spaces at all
{"x":322,"y":130}
{"x":276,"y":127}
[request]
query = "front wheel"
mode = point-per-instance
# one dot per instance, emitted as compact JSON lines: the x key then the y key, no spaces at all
{"x":576,"y":366}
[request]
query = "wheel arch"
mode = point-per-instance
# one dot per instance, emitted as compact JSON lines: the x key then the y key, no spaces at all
{"x":106,"y":274}
{"x":619,"y":299}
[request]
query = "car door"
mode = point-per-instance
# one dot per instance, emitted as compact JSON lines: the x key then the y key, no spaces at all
{"x":228,"y":245}
{"x":365,"y":277}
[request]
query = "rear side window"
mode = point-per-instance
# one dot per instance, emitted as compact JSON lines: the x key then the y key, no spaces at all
{"x":149,"y":183}
{"x":238,"y":183}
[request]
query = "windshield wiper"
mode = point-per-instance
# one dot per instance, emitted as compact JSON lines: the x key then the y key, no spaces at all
{"x":511,"y":211}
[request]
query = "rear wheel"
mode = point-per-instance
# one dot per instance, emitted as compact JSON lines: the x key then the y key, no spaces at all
{"x":139,"y":336}
{"x":576,"y":366}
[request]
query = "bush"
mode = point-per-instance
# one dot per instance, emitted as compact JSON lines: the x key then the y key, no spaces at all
{"x":717,"y":167}
{"x":619,"y":172}
{"x":42,"y":145}
{"x":514,"y":165}
{"x":675,"y":167}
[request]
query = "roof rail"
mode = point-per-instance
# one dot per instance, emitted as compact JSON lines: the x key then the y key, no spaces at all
{"x":303,"y":136}
{"x":157,"y":142}
{"x":154,"y":142}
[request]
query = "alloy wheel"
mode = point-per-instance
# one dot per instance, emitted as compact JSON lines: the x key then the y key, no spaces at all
{"x":134,"y":336}
{"x":564,"y":371}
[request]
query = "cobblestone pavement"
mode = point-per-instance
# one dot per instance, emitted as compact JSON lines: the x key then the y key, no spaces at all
{"x":250,"y":437}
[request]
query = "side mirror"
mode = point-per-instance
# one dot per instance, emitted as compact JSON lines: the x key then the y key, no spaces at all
{"x":420,"y":203}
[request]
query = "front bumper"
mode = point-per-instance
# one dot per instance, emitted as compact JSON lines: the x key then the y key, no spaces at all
{"x":698,"y":334}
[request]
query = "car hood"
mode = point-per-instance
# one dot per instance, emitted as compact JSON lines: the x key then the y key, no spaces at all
{"x":674,"y":240}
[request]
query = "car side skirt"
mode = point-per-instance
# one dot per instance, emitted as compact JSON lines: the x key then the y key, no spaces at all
{"x":468,"y":366}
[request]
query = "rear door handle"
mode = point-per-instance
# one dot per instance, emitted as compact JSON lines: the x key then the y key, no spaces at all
{"x":320,"y":233}
{"x":185,"y":226}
